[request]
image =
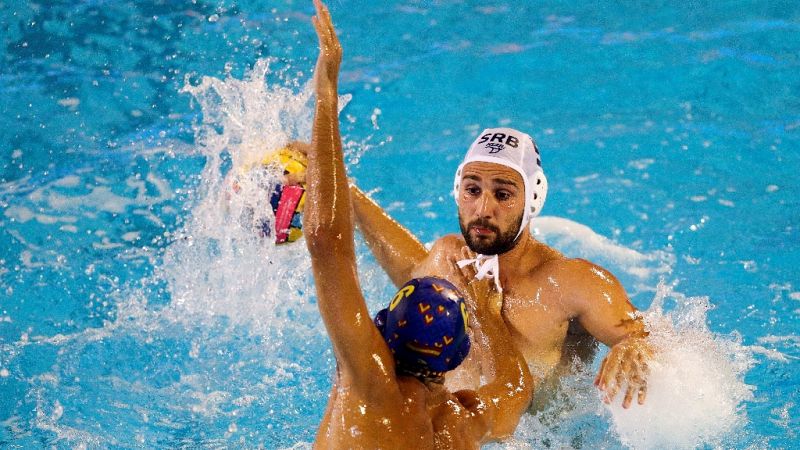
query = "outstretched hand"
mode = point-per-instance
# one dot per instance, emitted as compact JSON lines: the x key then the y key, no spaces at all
{"x":326,"y":74}
{"x":626,"y":365}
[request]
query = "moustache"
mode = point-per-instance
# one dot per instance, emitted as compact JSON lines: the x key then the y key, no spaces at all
{"x":483,"y":223}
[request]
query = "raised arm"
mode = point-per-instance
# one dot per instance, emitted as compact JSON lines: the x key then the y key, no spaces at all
{"x":360,"y":351}
{"x":497,"y":405}
{"x":396,"y":249}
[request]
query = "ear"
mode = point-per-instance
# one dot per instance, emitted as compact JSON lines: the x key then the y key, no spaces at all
{"x":380,"y":319}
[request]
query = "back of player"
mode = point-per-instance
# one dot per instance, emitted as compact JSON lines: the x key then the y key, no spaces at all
{"x":388,"y":390}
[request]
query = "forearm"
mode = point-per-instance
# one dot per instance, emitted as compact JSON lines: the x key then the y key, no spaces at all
{"x":327,"y":221}
{"x":395,"y":248}
{"x":510,"y":388}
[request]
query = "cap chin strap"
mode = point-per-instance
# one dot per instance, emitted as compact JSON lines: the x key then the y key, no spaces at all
{"x":486,"y":266}
{"x":489,"y":265}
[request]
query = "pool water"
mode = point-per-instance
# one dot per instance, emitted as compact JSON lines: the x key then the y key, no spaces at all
{"x":136,"y":311}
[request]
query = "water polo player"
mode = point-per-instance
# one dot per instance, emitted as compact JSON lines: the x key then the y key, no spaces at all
{"x":387,"y":391}
{"x":286,"y":193}
{"x":555,"y":306}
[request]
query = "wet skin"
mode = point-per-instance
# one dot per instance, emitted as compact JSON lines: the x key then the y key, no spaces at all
{"x":370,"y":405}
{"x":554,"y":306}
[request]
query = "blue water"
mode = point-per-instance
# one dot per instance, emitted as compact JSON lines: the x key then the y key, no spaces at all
{"x":135,"y":313}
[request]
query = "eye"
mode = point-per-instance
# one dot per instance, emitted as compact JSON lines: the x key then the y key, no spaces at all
{"x":472,"y":190}
{"x":503,"y":195}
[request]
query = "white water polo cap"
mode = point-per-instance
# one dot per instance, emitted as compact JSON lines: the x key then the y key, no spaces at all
{"x":518,"y":151}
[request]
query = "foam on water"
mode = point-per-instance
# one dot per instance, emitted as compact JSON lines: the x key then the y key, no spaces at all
{"x":227,"y":333}
{"x":579,"y":240}
{"x":219,"y":265}
{"x":220,"y":302}
{"x":696,"y":391}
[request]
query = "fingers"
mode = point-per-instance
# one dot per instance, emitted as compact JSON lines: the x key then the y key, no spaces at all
{"x":608,"y":379}
{"x":637,"y":385}
{"x":599,"y":380}
{"x":324,"y":26}
{"x":623,"y":369}
{"x":626,"y":402}
{"x":615,"y":385}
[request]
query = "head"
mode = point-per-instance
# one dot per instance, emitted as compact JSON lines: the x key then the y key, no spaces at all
{"x":499,"y":188}
{"x":288,"y":196}
{"x":425,"y":327}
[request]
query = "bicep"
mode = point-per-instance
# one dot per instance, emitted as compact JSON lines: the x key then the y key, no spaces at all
{"x":361,"y":353}
{"x":601,"y":304}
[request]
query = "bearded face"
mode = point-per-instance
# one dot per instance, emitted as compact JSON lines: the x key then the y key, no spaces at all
{"x":494,"y":243}
{"x":491,"y":206}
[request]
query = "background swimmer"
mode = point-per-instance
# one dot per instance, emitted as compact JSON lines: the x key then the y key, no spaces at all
{"x":371,"y":405}
{"x":286,"y":192}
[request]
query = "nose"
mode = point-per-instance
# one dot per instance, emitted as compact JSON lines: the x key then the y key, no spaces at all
{"x":484,"y":206}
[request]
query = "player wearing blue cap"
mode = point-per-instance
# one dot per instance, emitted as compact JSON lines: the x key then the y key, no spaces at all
{"x":388,"y":391}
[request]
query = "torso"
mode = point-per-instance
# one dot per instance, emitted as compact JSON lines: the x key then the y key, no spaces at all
{"x":533,"y":307}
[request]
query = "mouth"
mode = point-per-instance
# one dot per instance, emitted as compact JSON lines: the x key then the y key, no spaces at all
{"x":481,"y":231}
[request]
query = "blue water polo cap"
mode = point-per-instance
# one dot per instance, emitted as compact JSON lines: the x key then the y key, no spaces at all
{"x":425,"y":326}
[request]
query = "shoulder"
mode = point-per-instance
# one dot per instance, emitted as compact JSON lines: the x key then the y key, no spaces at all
{"x":583,"y":284}
{"x":575,"y":270}
{"x":585,"y":272}
{"x":448,"y":244}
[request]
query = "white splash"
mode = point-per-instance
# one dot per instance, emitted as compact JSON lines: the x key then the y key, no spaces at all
{"x":220,"y":264}
{"x":696,"y":391}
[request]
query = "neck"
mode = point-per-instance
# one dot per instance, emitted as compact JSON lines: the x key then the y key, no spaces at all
{"x":510,"y":260}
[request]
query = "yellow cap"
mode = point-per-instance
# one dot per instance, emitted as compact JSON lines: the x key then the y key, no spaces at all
{"x":292,"y":160}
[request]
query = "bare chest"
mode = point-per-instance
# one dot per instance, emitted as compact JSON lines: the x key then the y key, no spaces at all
{"x":538,"y":323}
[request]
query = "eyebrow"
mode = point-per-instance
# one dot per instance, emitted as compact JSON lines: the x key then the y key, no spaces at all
{"x":505,"y":181}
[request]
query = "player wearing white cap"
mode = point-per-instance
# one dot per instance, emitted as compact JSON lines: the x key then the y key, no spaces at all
{"x":553,"y":304}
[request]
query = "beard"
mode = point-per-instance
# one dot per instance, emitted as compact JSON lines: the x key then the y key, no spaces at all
{"x":502,"y":242}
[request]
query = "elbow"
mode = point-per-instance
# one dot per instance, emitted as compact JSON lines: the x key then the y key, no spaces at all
{"x":517,"y":401}
{"x":324,"y":242}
